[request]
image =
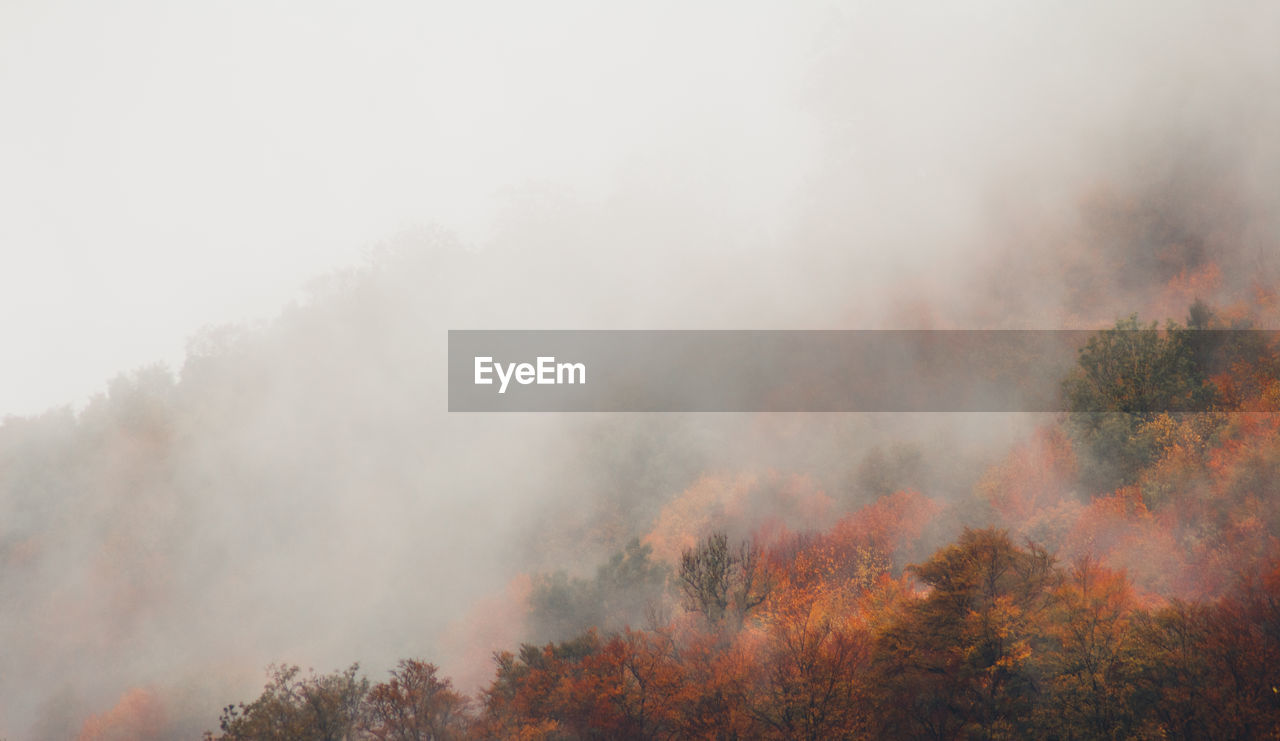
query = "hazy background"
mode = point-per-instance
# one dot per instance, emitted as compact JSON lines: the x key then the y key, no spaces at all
{"x":288,"y":208}
{"x":169,"y":166}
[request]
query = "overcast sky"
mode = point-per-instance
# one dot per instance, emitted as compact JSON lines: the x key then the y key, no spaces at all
{"x":165,"y":166}
{"x":172,"y":165}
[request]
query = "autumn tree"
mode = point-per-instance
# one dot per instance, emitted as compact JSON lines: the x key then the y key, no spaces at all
{"x":415,"y":705}
{"x":541,"y":693}
{"x":810,"y":678}
{"x":1173,"y":672}
{"x":649,"y":682}
{"x":715,"y":666}
{"x":1087,"y":664}
{"x":1245,"y":640}
{"x":957,"y":663}
{"x":1211,"y":671}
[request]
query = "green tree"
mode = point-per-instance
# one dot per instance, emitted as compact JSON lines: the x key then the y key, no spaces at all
{"x":1124,"y":378}
{"x":1136,"y":369}
{"x":628,"y":590}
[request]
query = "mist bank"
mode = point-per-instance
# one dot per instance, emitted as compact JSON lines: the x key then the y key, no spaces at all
{"x":297,"y":492}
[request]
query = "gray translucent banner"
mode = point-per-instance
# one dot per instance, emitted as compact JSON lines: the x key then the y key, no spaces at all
{"x":766,"y":371}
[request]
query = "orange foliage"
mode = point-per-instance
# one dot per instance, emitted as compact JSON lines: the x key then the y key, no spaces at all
{"x":1203,"y":282}
{"x":1036,"y":474}
{"x":1121,"y":532}
{"x":889,"y":523}
{"x":739,"y":506}
{"x":138,"y":716}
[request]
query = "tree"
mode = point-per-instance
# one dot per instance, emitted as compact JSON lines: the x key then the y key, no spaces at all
{"x":536,"y":695}
{"x":1246,"y":640}
{"x":1137,"y":369}
{"x":1124,"y":378}
{"x":721,"y":583}
{"x":1088,"y":668}
{"x":415,"y":705}
{"x":958,"y":662}
{"x":810,"y":681}
{"x":1210,"y":671}
{"x":627,"y":590}
{"x":1174,"y":672}
{"x":293,"y":707}
{"x":648,"y":682}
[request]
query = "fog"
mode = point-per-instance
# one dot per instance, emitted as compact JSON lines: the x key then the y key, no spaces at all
{"x":277,"y":216}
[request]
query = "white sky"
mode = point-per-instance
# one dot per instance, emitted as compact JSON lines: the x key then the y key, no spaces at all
{"x":169,"y":165}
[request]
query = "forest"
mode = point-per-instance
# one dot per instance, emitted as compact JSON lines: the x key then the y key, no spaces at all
{"x":1127,"y":585}
{"x":293,"y":501}
{"x":234,"y":503}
